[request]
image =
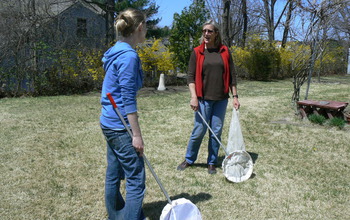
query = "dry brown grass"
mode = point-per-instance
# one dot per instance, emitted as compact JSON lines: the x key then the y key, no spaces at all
{"x":53,"y":157}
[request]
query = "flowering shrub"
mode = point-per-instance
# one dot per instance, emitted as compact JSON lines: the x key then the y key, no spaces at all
{"x":294,"y":58}
{"x":258,"y":61}
{"x":240,"y":57}
{"x":332,"y":61}
{"x":71,"y":72}
{"x":156,"y":59}
{"x":262,"y":61}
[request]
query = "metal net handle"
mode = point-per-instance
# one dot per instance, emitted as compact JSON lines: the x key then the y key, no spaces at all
{"x":144,"y":156}
{"x":217,"y":139}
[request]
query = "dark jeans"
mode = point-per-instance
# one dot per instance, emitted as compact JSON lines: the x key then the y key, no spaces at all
{"x":123,"y":161}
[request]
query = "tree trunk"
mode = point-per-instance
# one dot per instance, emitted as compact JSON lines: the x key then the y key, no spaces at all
{"x":110,"y":10}
{"x":288,"y":21}
{"x":269,"y":18}
{"x":245,"y":22}
{"x":315,"y":45}
{"x":322,"y":46}
{"x":226,"y":23}
{"x":312,"y":61}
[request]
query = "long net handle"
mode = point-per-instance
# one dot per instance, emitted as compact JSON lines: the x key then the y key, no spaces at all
{"x":217,"y":139}
{"x":144,"y":156}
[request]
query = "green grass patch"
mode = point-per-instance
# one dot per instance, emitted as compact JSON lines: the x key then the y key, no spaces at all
{"x":317,"y":119}
{"x":53,"y":156}
{"x":321,"y":120}
{"x":337,"y":122}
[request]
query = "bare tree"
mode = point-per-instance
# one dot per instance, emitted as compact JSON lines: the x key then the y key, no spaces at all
{"x":341,"y":29}
{"x":269,"y":6}
{"x":269,"y":17}
{"x":342,"y":18}
{"x":232,"y":15}
{"x":288,"y":22}
{"x":245,"y":22}
{"x":299,"y":70}
{"x":226,"y":23}
{"x":320,"y":12}
{"x":18,"y":24}
{"x":110,"y":10}
{"x":26,"y":29}
{"x":215,"y":9}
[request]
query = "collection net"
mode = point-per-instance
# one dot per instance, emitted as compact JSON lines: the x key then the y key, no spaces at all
{"x":181,"y":209}
{"x":238,"y":165}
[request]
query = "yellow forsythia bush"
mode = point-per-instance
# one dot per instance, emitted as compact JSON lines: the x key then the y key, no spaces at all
{"x":332,"y":61}
{"x":240,"y":57}
{"x":294,"y":58}
{"x":259,"y":60}
{"x":285,"y":62}
{"x":91,"y":65}
{"x":155,"y":56}
{"x":156,"y":59}
{"x":71,"y":72}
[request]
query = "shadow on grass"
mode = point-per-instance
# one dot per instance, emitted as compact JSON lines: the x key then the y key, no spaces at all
{"x":153,"y":210}
{"x":254,"y":156}
{"x":203,"y":165}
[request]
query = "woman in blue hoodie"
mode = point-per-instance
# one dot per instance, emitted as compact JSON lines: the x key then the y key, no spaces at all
{"x":123,"y":79}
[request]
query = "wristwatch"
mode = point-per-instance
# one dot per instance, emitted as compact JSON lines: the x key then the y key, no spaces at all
{"x":235,"y":96}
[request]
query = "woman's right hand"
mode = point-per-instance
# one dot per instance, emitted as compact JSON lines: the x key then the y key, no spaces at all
{"x":194,"y":103}
{"x":137,"y":142}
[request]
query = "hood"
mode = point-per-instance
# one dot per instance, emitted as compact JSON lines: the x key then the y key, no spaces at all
{"x":114,"y":52}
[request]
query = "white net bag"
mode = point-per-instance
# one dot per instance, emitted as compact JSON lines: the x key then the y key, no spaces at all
{"x":180,"y":209}
{"x":235,"y":137}
{"x":238,"y":165}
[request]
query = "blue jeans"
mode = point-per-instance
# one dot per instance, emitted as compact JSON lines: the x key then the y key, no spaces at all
{"x":123,"y":161}
{"x":214,"y":114}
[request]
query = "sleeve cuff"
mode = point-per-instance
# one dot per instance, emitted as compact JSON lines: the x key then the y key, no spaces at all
{"x":130,"y":109}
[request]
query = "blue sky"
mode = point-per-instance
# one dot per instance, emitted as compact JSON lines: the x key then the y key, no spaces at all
{"x":167,"y":8}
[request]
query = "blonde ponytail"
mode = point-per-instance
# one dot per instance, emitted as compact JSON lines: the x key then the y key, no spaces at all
{"x":127,"y":21}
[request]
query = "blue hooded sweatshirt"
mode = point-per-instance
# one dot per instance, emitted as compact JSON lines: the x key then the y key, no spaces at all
{"x":124,"y":77}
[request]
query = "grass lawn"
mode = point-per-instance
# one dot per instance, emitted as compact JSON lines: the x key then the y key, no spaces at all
{"x":53,"y":156}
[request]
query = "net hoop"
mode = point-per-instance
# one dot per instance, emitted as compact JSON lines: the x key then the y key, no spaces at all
{"x":238,"y":166}
{"x":180,"y":209}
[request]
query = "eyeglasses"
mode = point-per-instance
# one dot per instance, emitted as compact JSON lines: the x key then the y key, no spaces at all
{"x":207,"y":30}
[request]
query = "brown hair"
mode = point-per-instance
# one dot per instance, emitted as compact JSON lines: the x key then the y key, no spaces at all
{"x":128,"y":20}
{"x":218,"y":40}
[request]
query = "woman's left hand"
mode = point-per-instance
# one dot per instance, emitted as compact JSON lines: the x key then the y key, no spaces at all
{"x":236,"y":103}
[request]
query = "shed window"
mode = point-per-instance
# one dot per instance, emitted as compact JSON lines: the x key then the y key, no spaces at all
{"x":81,"y":27}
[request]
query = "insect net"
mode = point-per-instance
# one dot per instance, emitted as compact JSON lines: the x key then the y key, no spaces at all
{"x":238,"y":165}
{"x":181,"y":209}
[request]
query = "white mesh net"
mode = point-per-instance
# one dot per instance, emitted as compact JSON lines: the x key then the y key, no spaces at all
{"x":238,"y":165}
{"x":235,"y":137}
{"x":180,"y":209}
